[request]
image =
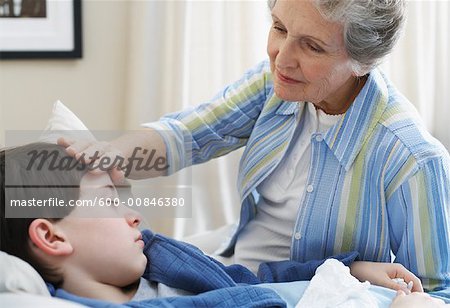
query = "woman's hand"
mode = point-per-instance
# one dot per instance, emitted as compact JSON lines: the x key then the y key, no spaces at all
{"x":381,"y":274}
{"x":137,"y":155}
{"x":416,"y":300}
{"x":101,"y":156}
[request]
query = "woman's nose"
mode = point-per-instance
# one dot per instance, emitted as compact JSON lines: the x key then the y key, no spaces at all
{"x":286,"y":58}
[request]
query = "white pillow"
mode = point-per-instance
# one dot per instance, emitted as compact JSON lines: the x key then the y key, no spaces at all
{"x":63,"y":122}
{"x":17,"y":275}
{"x":34,"y":301}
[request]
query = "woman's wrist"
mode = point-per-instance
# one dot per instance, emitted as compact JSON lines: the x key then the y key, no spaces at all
{"x":144,"y":153}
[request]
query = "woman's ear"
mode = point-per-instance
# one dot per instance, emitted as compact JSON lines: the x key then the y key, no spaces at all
{"x":49,"y":239}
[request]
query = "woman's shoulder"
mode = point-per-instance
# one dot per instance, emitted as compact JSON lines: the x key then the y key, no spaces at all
{"x":262,"y":67}
{"x":260,"y":75}
{"x":404,"y":125}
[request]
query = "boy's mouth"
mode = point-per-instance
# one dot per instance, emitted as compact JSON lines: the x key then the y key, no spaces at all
{"x":140,"y":241}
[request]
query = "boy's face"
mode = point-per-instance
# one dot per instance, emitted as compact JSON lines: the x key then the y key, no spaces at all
{"x":107,"y":245}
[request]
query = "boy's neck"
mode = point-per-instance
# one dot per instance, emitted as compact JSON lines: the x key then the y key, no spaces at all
{"x":80,"y":285}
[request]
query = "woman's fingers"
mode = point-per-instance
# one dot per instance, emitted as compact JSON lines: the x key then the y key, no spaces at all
{"x":107,"y":160}
{"x":93,"y":152}
{"x":74,"y":148}
{"x":65,"y":142}
{"x":399,"y":286}
{"x":417,"y":285}
{"x":402,"y":272}
{"x":77,"y":148}
{"x":117,"y":175}
{"x":100,"y":156}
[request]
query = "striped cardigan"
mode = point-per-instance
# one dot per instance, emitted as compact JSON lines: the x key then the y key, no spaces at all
{"x":380,"y":180}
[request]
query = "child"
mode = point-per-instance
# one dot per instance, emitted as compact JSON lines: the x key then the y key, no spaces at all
{"x":96,"y":256}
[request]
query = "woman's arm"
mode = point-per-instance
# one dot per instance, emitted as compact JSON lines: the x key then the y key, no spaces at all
{"x":419,"y":216}
{"x":191,"y":136}
{"x":382,"y":274}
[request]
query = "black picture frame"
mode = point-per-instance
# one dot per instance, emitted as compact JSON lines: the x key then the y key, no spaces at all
{"x":75,"y":53}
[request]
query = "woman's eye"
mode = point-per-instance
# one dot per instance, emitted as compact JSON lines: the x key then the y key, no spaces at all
{"x":279,"y":29}
{"x":315,"y":49}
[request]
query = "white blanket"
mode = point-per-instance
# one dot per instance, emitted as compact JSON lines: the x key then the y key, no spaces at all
{"x":333,"y":286}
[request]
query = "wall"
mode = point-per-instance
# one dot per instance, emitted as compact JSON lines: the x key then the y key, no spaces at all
{"x":93,"y":87}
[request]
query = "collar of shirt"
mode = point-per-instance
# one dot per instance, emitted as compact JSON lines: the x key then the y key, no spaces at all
{"x":346,"y":138}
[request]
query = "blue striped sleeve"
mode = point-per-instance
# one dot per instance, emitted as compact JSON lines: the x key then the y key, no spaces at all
{"x":218,"y":126}
{"x":419,"y":216}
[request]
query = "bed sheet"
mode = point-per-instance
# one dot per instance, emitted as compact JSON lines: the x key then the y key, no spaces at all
{"x":291,"y":292}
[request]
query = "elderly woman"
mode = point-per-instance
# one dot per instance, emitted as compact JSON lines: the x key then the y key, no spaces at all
{"x":335,"y":158}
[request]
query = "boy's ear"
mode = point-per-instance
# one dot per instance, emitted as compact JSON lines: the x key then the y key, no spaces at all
{"x":49,"y":239}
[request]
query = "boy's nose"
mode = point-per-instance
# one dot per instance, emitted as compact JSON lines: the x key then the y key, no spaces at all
{"x":133,"y":218}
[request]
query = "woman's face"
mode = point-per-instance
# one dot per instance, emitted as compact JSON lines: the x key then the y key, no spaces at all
{"x":308,"y":57}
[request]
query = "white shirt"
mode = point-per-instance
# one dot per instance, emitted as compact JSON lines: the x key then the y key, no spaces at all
{"x":268,"y":236}
{"x":151,"y":289}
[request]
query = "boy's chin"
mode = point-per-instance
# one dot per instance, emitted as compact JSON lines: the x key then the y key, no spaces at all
{"x":131,"y":272}
{"x":141,"y":264}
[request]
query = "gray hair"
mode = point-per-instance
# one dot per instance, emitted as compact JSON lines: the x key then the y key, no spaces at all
{"x":371,"y":27}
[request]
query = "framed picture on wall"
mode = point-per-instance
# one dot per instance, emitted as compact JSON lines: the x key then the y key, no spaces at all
{"x":40,"y":29}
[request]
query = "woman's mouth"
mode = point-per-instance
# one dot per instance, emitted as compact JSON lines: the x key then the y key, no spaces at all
{"x":286,"y":79}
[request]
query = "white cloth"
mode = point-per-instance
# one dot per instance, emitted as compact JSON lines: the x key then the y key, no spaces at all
{"x":333,"y":286}
{"x":151,"y":289}
{"x":268,"y":236}
{"x":63,"y":122}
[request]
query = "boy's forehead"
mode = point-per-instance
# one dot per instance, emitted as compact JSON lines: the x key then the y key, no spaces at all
{"x":91,"y":180}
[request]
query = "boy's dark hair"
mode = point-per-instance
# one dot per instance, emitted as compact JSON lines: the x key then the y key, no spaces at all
{"x":39,"y":180}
